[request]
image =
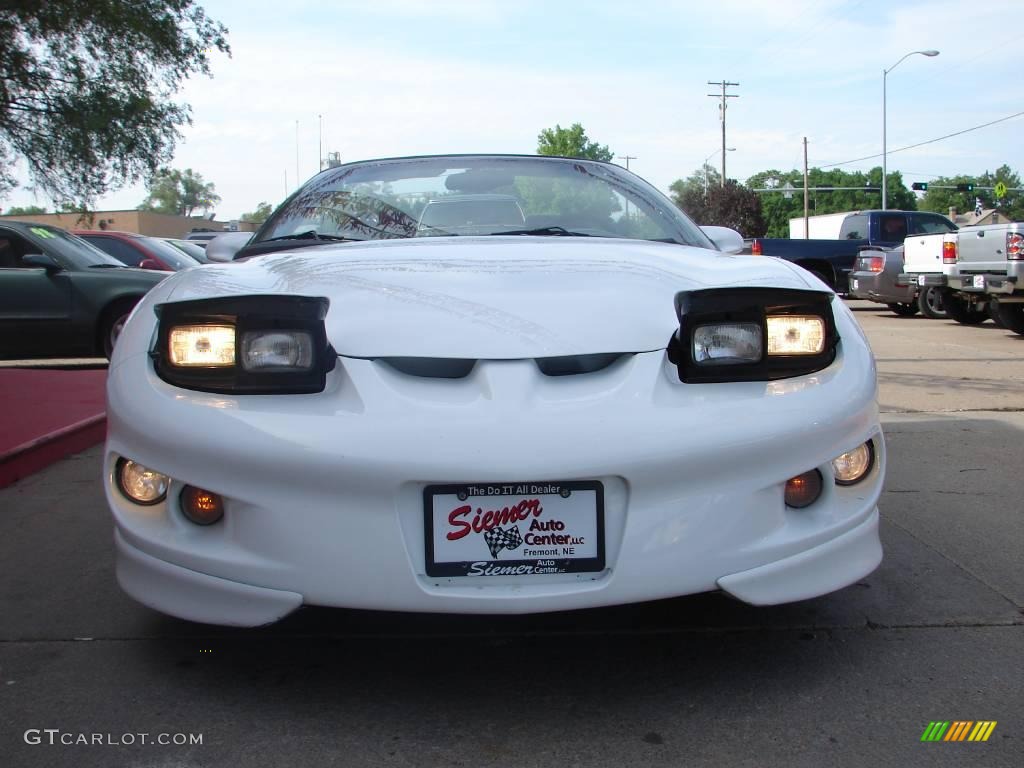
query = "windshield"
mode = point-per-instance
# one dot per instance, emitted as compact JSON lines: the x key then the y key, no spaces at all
{"x":480,"y":195}
{"x":73,"y":249}
{"x":168,"y":254}
{"x":197,"y":252}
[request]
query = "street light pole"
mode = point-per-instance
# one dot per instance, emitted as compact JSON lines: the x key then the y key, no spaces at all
{"x":885,"y":167}
{"x":627,"y":158}
{"x":704,"y":167}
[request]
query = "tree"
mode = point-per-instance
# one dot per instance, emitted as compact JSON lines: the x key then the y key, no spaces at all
{"x":571,"y":142}
{"x":824,"y":195}
{"x":261,"y":214}
{"x":941,"y":200}
{"x":733,"y":205}
{"x":701,"y":180}
{"x":24,"y":210}
{"x":179,"y":193}
{"x":86,"y":89}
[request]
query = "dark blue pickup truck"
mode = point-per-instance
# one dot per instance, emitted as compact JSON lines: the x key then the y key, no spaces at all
{"x":833,"y":260}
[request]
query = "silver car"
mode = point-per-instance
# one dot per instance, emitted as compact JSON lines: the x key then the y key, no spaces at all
{"x":875,"y":277}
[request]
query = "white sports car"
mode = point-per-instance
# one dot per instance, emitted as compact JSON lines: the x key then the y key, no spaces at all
{"x":488,"y":384}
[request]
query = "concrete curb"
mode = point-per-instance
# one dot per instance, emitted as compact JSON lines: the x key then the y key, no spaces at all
{"x":31,"y":456}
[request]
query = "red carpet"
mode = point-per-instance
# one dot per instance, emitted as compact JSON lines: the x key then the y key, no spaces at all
{"x":47,"y":414}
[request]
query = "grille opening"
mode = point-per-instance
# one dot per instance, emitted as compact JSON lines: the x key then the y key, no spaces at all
{"x":460,"y":368}
{"x":571,"y":365}
{"x":431,"y":367}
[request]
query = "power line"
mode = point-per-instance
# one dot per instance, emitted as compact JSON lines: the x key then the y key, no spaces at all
{"x":923,"y":143}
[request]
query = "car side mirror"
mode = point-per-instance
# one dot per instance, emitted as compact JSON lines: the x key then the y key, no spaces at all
{"x":725,"y":239}
{"x":224,"y":247}
{"x":149,"y":264}
{"x":41,"y":260}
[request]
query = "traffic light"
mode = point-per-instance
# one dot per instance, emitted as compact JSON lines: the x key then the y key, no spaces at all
{"x":919,"y":186}
{"x":964,"y":187}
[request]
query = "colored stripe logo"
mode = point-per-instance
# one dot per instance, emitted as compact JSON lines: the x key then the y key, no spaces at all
{"x":959,"y":730}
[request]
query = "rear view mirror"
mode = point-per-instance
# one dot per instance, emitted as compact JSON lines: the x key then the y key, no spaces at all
{"x":224,"y":247}
{"x":149,"y":264}
{"x":725,"y":239}
{"x":41,"y":260}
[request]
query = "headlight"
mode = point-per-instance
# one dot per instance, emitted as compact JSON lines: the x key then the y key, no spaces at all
{"x":752,"y":334}
{"x":853,"y":466}
{"x":245,"y":344}
{"x":202,"y":345}
{"x":795,"y":335}
{"x":277,"y":351}
{"x":727,"y":344}
{"x":140,"y":484}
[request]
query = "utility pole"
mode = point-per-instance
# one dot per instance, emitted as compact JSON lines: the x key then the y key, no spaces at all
{"x":807,"y":222}
{"x":724,"y":95}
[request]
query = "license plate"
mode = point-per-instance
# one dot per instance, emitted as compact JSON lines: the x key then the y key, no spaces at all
{"x":920,"y":279}
{"x":514,"y":529}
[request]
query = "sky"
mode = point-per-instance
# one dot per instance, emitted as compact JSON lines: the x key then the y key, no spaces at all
{"x":405,"y":77}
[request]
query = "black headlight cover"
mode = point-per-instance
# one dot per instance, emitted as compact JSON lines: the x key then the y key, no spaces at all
{"x":749,"y":305}
{"x":261,"y":312}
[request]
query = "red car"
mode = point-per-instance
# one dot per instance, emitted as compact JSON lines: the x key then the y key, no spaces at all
{"x":138,"y":250}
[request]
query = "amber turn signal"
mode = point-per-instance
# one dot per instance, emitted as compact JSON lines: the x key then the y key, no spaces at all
{"x":803,"y":490}
{"x":201,"y":507}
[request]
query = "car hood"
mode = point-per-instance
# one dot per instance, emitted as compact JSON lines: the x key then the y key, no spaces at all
{"x":492,"y":297}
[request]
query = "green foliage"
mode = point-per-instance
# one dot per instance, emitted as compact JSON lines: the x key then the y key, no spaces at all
{"x":941,"y":200}
{"x":179,"y":193}
{"x":24,"y":210}
{"x":261,"y":214}
{"x":86,"y":89}
{"x":571,"y":142}
{"x":699,"y":180}
{"x":577,"y":204}
{"x":733,"y":205}
{"x":778,"y":210}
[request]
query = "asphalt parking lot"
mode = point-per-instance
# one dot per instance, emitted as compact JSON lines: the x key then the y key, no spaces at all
{"x":851,"y":679}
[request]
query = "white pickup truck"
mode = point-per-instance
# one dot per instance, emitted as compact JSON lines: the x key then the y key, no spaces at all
{"x":978,"y":271}
{"x":922,"y":266}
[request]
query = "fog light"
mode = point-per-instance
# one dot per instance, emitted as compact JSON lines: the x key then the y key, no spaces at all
{"x":140,"y":484}
{"x":201,"y":507}
{"x":803,"y":490}
{"x":853,"y":466}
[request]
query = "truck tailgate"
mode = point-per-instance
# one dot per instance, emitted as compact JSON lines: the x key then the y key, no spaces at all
{"x":923,"y":253}
{"x":983,"y":249}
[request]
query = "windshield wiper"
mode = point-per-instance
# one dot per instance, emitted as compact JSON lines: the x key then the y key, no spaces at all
{"x":310,"y":234}
{"x":552,"y":231}
{"x":107,"y":266}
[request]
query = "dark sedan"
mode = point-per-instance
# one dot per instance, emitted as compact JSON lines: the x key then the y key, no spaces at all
{"x":875,"y":278}
{"x":61,"y":296}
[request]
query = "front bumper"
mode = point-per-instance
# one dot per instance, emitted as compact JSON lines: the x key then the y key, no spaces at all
{"x":324,"y":493}
{"x":188,"y":594}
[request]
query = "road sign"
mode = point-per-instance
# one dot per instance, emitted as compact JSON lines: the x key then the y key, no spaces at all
{"x":1000,"y":190}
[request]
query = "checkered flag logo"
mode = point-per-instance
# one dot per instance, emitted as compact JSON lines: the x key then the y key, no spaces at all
{"x":498,"y":539}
